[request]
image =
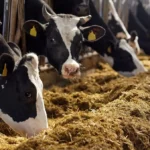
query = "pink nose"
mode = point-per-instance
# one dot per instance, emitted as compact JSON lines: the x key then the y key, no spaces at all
{"x":71,"y":70}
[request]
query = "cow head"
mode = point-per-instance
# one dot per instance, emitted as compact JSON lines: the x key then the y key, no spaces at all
{"x":80,"y":7}
{"x":122,"y":59}
{"x":117,"y":30}
{"x":22,"y":105}
{"x":114,"y":25}
{"x":63,"y":39}
{"x":133,"y":42}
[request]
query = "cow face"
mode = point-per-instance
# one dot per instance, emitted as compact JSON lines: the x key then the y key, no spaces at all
{"x":63,"y":40}
{"x":21,"y":105}
{"x":123,"y":59}
{"x":118,"y":31}
{"x":133,"y":42}
{"x":80,"y":7}
{"x":114,"y":25}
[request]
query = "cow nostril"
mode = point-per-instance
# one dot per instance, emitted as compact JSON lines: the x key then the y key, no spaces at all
{"x":74,"y":72}
{"x":66,"y":69}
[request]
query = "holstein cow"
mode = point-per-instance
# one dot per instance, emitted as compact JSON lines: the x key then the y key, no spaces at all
{"x":119,"y":30}
{"x":143,"y":33}
{"x":58,"y":37}
{"x":119,"y":54}
{"x":63,"y":39}
{"x":21,"y":100}
{"x":63,"y":49}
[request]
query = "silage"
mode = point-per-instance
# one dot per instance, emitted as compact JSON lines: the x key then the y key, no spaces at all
{"x":102,"y":111}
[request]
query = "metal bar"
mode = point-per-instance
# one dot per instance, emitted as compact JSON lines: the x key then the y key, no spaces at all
{"x":6,"y":19}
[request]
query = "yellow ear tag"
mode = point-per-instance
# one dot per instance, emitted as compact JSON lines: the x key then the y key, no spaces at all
{"x":91,"y":36}
{"x":4,"y":74}
{"x":33,"y":32}
{"x":109,"y":49}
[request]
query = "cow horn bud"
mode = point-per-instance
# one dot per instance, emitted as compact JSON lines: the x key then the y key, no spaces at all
{"x":46,"y":14}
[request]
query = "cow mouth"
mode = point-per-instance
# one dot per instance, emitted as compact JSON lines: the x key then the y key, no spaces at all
{"x":71,"y":76}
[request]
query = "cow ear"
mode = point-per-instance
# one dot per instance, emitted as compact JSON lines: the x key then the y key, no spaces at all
{"x":7,"y":65}
{"x":134,"y":35}
{"x":93,"y":33}
{"x":33,"y":28}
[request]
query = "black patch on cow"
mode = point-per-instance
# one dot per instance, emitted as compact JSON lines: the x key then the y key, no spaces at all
{"x":77,"y":7}
{"x":20,"y":103}
{"x":114,"y":25}
{"x":123,"y":61}
{"x":76,"y":46}
{"x":56,"y":50}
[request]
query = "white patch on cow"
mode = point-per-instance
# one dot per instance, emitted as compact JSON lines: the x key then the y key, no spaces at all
{"x":137,"y":45}
{"x":140,"y":68}
{"x":31,"y":126}
{"x":108,"y":59}
{"x":2,"y":86}
{"x":67,"y":33}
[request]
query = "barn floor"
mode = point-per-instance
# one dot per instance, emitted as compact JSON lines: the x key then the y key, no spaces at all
{"x":102,"y":111}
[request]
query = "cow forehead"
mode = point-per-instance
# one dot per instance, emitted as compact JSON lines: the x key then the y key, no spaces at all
{"x":67,"y":28}
{"x":66,"y":21}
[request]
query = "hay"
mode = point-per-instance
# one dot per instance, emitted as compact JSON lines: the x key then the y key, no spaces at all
{"x":102,"y":111}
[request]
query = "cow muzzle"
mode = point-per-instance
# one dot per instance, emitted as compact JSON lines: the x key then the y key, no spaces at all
{"x":71,"y":70}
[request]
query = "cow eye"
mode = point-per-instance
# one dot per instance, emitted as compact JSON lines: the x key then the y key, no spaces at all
{"x":52,"y":40}
{"x":28,"y":94}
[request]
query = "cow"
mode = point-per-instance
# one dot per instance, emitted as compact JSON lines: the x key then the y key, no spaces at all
{"x":21,"y":100}
{"x":63,"y":39}
{"x":63,"y":49}
{"x":76,"y":7}
{"x":118,"y":53}
{"x":143,"y":33}
{"x":119,"y":30}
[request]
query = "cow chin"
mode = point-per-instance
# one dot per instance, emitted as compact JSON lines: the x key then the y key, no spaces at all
{"x":66,"y":76}
{"x":27,"y":128}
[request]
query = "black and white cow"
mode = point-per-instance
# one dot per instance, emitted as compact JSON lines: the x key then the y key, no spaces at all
{"x":143,"y":33}
{"x":57,"y":37}
{"x":63,"y":39}
{"x":119,"y":30}
{"x":119,"y":54}
{"x":21,"y":100}
{"x":76,"y":7}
